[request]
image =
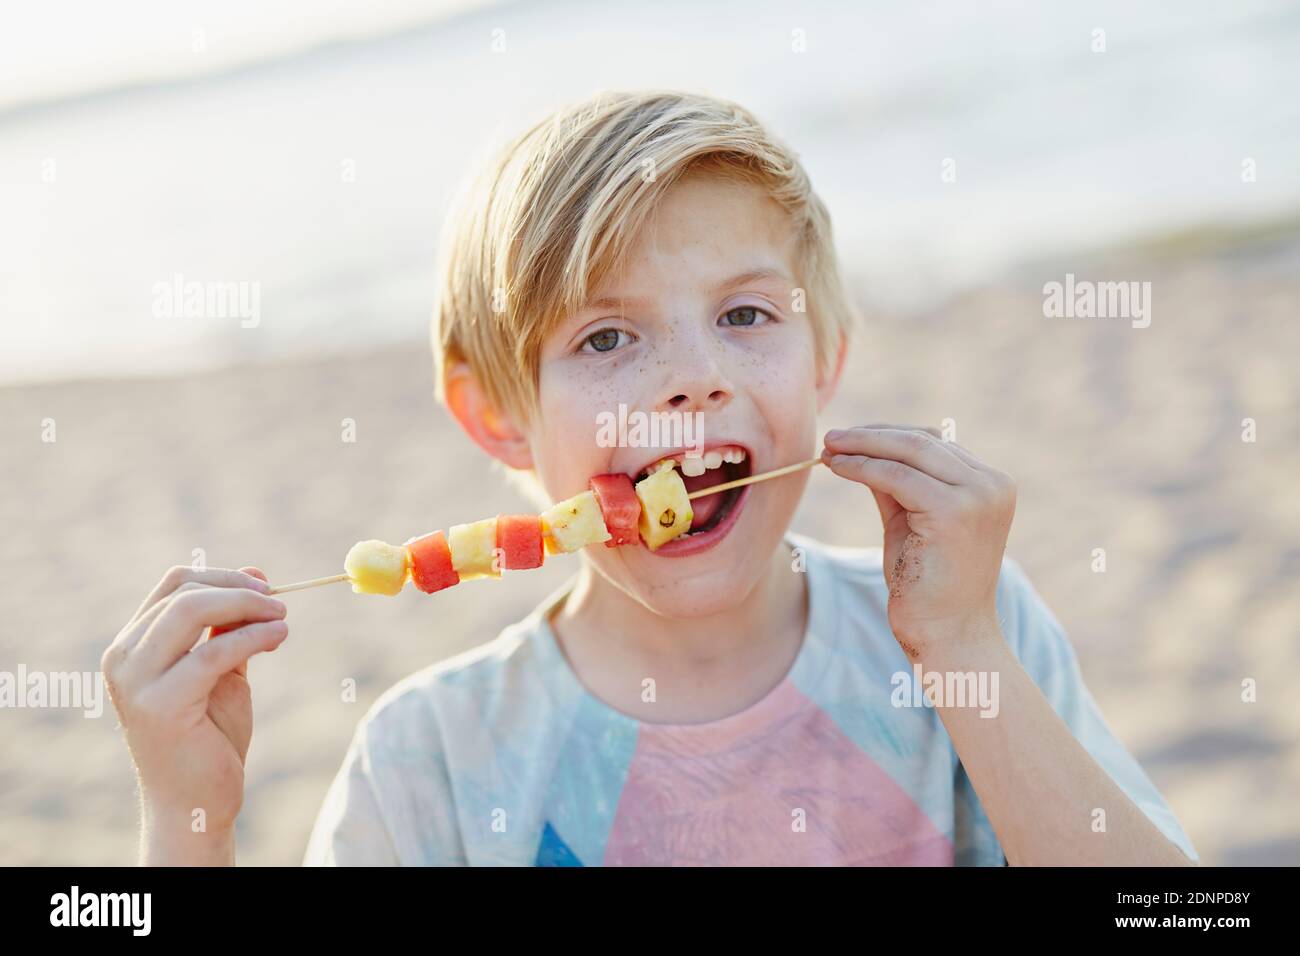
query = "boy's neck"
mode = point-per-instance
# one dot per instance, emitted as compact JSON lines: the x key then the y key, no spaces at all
{"x":703,"y":668}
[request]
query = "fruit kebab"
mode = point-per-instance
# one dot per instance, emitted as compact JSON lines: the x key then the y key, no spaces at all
{"x":612,"y":511}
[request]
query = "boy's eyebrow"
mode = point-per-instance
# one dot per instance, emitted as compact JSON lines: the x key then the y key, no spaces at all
{"x":744,"y":278}
{"x":613,"y":302}
{"x":752,"y":275}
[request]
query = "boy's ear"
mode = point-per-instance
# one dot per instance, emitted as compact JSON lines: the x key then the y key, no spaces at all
{"x":828,"y":377}
{"x":493,"y":431}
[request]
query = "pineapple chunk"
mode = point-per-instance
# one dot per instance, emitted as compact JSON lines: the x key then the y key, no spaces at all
{"x":574,"y":523}
{"x":665,"y":508}
{"x":376,"y":567}
{"x":473,"y":549}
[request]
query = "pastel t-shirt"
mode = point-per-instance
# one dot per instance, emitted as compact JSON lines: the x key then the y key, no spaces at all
{"x":500,"y":756}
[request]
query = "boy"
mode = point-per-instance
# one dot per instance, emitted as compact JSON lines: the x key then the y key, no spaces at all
{"x":737,"y":696}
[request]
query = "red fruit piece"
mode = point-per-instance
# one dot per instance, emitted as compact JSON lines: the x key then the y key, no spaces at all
{"x":519,"y":538}
{"x":619,"y":506}
{"x":431,"y":568}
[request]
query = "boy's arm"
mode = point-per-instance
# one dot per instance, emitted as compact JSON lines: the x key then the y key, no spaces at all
{"x":1038,"y":785}
{"x":946,"y":516}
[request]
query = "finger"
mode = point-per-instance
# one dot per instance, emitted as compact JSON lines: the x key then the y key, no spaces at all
{"x":959,"y":450}
{"x":143,"y":621}
{"x":252,"y":572}
{"x":887,"y":504}
{"x":913,"y":489}
{"x":181,"y":622}
{"x":928,"y":429}
{"x":920,"y":446}
{"x":217,"y":631}
{"x":970,"y":460}
{"x":128,"y":640}
{"x":197,"y":672}
{"x":216,"y":577}
{"x":911,"y":446}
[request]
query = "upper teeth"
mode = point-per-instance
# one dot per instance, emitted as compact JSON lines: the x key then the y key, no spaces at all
{"x":694,"y":465}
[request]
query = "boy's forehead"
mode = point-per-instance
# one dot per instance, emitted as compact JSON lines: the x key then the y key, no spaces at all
{"x":710,"y":233}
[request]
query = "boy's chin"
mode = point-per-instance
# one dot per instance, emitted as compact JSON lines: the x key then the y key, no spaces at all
{"x":724,"y":586}
{"x":694,"y":602}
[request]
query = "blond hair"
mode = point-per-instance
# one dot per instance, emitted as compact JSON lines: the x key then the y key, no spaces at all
{"x":564,"y":202}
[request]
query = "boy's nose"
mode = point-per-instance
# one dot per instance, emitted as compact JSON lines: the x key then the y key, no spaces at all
{"x":697,"y":385}
{"x":716,"y":399}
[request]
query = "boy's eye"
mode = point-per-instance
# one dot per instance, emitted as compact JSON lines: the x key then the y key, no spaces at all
{"x":744,"y":315}
{"x":606,"y":340}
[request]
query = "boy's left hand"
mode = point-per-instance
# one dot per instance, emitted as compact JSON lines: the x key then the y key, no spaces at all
{"x":946,"y":516}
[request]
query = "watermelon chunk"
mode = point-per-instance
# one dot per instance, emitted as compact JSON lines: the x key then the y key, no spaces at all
{"x":619,"y":506}
{"x":519,"y":539}
{"x":430,"y":561}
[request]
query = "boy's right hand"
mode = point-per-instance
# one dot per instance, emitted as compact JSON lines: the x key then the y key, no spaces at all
{"x":187,"y":711}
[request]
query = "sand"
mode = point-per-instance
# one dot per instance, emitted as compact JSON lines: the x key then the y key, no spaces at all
{"x":1120,"y":438}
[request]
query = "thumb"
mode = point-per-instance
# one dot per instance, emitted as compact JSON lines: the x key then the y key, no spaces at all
{"x":888,"y":506}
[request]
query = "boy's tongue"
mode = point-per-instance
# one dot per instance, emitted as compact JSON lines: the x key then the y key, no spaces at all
{"x":704,"y":508}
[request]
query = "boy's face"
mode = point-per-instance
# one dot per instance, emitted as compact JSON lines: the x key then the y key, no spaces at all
{"x":698,"y":319}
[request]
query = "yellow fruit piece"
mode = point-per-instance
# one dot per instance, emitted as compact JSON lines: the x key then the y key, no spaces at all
{"x":377,"y":567}
{"x":665,"y":508}
{"x":574,"y":523}
{"x":473,"y":549}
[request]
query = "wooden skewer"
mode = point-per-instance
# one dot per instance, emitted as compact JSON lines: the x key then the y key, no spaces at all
{"x":776,"y":473}
{"x":725,"y":486}
{"x":313,"y":583}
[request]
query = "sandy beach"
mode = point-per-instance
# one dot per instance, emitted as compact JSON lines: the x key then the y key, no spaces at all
{"x":1121,"y":438}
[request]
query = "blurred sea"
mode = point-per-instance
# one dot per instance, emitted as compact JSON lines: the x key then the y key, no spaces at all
{"x":323,"y":174}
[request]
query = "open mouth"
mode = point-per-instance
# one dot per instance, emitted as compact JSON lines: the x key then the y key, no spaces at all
{"x":717,"y":466}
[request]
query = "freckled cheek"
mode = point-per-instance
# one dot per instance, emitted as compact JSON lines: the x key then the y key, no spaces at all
{"x":571,"y":402}
{"x":559,"y":414}
{"x":785,"y":386}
